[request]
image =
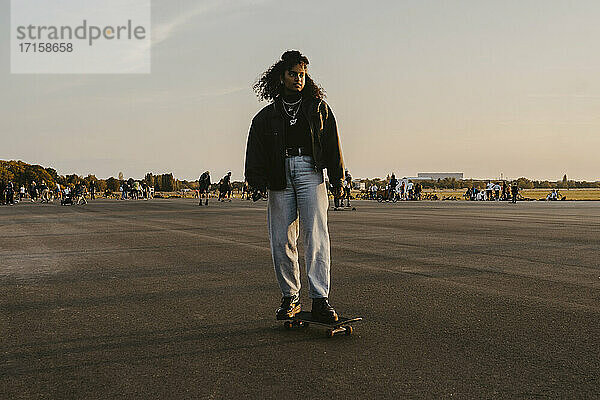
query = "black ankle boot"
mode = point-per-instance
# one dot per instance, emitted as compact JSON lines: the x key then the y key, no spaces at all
{"x":289,"y":307}
{"x":323,"y":311}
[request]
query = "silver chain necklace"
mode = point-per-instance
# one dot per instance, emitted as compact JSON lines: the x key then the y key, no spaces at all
{"x":291,"y":113}
{"x":292,"y":104}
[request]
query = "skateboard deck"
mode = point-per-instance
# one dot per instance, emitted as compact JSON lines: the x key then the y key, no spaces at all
{"x":305,"y":318}
{"x":344,"y":209}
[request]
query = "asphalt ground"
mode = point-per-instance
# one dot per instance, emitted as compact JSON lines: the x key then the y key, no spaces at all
{"x":163,"y":299}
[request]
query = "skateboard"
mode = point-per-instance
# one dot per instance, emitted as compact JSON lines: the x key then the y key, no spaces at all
{"x":305,"y":318}
{"x":344,"y":209}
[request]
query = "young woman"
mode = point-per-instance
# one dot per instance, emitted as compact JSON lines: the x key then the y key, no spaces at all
{"x":291,"y":141}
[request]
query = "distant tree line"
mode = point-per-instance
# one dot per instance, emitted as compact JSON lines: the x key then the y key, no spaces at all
{"x":524,"y":183}
{"x":21,"y":173}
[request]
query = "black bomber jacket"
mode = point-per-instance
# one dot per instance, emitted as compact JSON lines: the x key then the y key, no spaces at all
{"x":265,"y":152}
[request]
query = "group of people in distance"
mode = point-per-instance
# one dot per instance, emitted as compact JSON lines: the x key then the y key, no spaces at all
{"x":555,"y":195}
{"x":225,"y":188}
{"x":43,"y":192}
{"x":75,"y":195}
{"x":494,"y":191}
{"x":8,"y":194}
{"x":133,"y":190}
{"x":403,"y":189}
{"x":394,"y":190}
{"x":69,"y":194}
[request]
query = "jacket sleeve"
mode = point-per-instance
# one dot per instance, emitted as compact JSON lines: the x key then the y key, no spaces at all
{"x":256,"y":159}
{"x":333,"y":150}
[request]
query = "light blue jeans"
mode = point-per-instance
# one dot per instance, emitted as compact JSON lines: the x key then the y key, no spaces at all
{"x":301,"y":206}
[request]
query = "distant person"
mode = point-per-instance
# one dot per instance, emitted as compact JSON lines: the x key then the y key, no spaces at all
{"x":468,"y":194}
{"x":204,"y":187}
{"x":92,"y":191}
{"x":221,"y":190}
{"x":392,"y":187}
{"x":514,"y":191}
{"x":33,"y":191}
{"x":44,"y":192}
{"x":229,"y":186}
{"x":497,"y":191}
{"x":79,"y":194}
{"x":410,"y":190}
{"x":418,"y":190}
{"x":67,"y":197}
{"x":225,"y":187}
{"x":489,"y":190}
{"x":22,"y":193}
{"x":137,"y":189}
{"x":337,"y":196}
{"x":293,"y":176}
{"x":347,"y":185}
{"x":480,"y":196}
{"x":10,"y":193}
{"x":373,"y":192}
{"x":2,"y":193}
{"x":401,"y":190}
{"x":245,"y":191}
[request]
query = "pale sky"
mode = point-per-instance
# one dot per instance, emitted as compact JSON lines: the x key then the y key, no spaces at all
{"x":480,"y":87}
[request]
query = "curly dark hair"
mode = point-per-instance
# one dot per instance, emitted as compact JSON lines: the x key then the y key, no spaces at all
{"x":269,"y":86}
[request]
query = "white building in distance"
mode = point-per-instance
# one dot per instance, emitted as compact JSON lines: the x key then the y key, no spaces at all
{"x":440,"y":175}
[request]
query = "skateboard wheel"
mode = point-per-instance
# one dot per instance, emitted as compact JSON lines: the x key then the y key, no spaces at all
{"x":348,"y":330}
{"x":287,"y":325}
{"x":330,"y":333}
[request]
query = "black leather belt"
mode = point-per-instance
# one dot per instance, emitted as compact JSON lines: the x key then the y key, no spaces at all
{"x":295,"y":151}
